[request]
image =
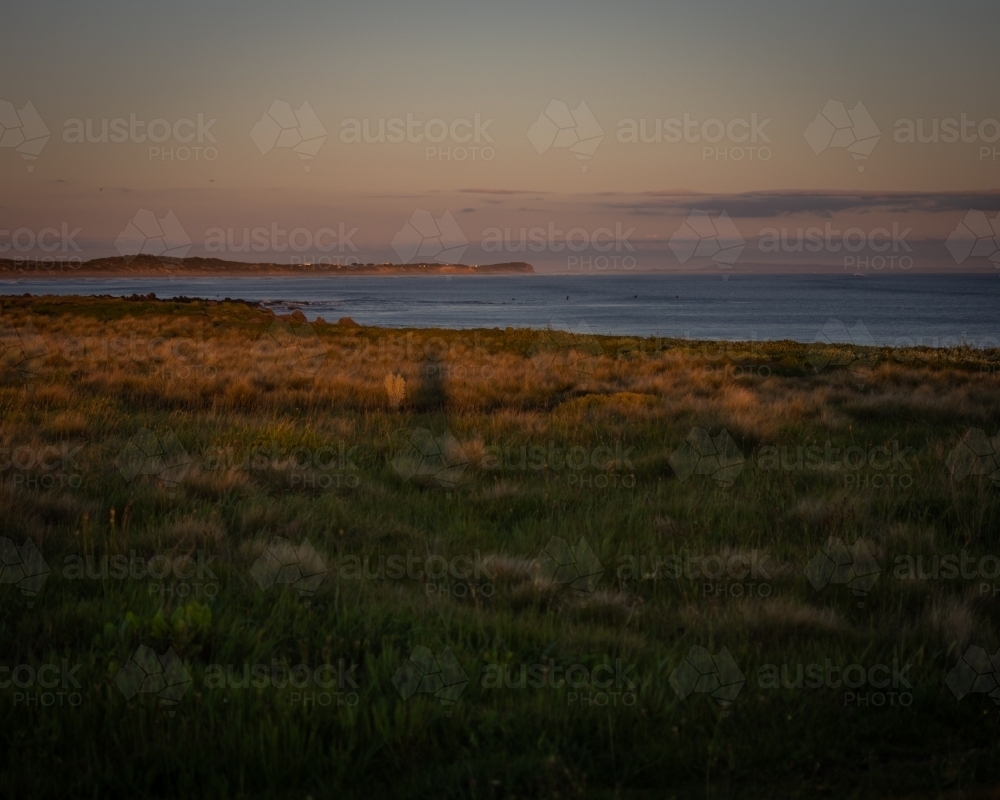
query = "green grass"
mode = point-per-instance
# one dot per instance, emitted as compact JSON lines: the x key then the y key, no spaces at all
{"x":288,"y":432}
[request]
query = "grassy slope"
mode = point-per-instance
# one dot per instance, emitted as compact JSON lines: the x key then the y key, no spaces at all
{"x":225,"y":381}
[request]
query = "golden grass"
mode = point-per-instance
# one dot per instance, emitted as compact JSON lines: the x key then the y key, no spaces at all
{"x":191,"y":363}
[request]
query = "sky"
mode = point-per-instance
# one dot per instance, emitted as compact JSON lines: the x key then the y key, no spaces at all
{"x":503,"y":116}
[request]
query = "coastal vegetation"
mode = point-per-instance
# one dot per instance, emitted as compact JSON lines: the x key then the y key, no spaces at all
{"x":256,"y":555}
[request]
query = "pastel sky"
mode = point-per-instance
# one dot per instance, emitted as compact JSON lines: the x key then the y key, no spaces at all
{"x":717,"y":64}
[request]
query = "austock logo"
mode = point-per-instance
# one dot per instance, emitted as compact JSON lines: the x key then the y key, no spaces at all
{"x":853,"y":130}
{"x":441,"y":676}
{"x":975,"y":237}
{"x":119,"y":130}
{"x":146,"y":672}
{"x":702,"y":237}
{"x":597,"y":680}
{"x":148,"y":236}
{"x":878,"y":466}
{"x":560,"y":564}
{"x":976,"y":454}
{"x":710,"y":132}
{"x":701,"y":672}
{"x":23,"y":131}
{"x":299,"y":130}
{"x":865,"y":685}
{"x":32,"y":684}
{"x":426,"y":458}
{"x":576,"y":130}
{"x":978,"y":672}
{"x":836,"y":563}
{"x":161,"y":458}
{"x":285,"y":564}
{"x":423,"y":237}
{"x":704,"y":454}
{"x":22,"y":566}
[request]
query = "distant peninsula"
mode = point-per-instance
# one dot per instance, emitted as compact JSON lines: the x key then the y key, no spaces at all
{"x":153,"y":266}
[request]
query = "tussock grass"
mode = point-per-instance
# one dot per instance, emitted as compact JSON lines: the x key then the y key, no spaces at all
{"x":275,"y":431}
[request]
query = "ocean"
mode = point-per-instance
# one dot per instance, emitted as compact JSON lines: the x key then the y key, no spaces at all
{"x":898,"y":310}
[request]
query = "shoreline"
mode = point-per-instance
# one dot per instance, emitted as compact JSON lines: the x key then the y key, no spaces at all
{"x":291,"y":311}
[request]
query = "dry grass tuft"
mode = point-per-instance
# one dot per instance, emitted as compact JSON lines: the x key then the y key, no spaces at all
{"x":69,"y":424}
{"x":500,"y":490}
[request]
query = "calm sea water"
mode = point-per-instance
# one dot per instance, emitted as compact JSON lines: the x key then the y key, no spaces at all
{"x":932,"y":310}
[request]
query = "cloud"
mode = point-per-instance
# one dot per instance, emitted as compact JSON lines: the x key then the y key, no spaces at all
{"x":501,"y":191}
{"x":759,"y":205}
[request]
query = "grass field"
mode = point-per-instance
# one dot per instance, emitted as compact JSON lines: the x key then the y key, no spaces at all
{"x":246,"y":556}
